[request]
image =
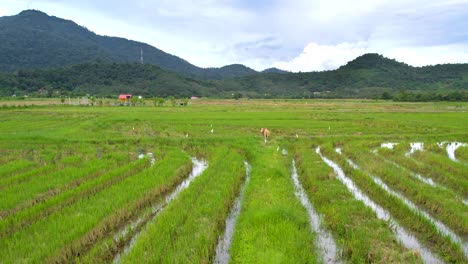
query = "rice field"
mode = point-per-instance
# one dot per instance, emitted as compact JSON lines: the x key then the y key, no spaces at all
{"x":338,"y":181}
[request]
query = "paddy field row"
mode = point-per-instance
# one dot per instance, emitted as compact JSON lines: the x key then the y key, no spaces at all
{"x":166,"y":189}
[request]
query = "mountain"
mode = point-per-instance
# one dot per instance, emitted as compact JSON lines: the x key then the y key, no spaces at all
{"x":103,"y":79}
{"x":33,"y":39}
{"x":274,"y":70}
{"x":374,"y":61}
{"x":229,"y":71}
{"x":368,"y":76}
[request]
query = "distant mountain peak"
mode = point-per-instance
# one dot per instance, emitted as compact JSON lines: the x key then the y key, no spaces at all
{"x":32,"y":12}
{"x":33,"y":39}
{"x":274,"y":70}
{"x":372,"y":61}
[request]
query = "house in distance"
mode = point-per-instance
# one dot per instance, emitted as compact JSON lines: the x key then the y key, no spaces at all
{"x":125,"y":98}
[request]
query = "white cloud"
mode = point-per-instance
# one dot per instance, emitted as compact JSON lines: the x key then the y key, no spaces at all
{"x":421,"y":56}
{"x":317,"y":57}
{"x":266,"y":33}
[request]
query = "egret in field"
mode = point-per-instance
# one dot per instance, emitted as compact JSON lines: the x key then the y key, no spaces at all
{"x":277,"y":149}
{"x":212,"y":130}
{"x":186,"y":135}
{"x":297,"y":136}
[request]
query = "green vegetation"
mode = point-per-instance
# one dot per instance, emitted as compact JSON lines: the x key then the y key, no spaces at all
{"x":362,"y":237}
{"x":462,"y":154}
{"x":369,"y":76}
{"x":33,"y":39}
{"x":273,"y":226}
{"x":413,"y":221}
{"x":44,"y":56}
{"x":187,"y":231}
{"x":442,"y":204}
{"x":59,"y":234}
{"x":444,"y":173}
{"x":77,"y":182}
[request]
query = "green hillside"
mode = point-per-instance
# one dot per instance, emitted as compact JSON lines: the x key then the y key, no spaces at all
{"x":32,"y":39}
{"x":368,"y":76}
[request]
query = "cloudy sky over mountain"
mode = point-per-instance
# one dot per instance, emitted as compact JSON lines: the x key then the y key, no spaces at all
{"x":295,"y":35}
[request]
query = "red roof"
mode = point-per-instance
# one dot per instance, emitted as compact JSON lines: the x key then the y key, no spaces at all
{"x":125,"y":96}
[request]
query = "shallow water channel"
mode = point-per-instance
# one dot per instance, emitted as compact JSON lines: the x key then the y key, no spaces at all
{"x":418,"y":176}
{"x":147,"y":217}
{"x":452,"y":147}
{"x":325,"y":244}
{"x":224,"y":242}
{"x":441,"y":227}
{"x":408,"y":240}
{"x":416,"y":146}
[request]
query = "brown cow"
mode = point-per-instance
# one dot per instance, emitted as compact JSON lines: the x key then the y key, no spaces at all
{"x":266,"y":133}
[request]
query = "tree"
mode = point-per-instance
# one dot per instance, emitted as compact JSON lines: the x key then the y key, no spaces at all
{"x":134,"y":101}
{"x":158,"y":101}
{"x":386,"y":96}
{"x":184,"y":102}
{"x":172,"y":100}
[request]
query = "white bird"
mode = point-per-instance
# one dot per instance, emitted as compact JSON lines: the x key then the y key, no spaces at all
{"x":133,"y":128}
{"x":186,"y":135}
{"x":277,"y":149}
{"x":212,"y":130}
{"x":297,"y":136}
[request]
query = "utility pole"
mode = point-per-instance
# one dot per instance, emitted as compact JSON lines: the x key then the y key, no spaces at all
{"x":141,"y":55}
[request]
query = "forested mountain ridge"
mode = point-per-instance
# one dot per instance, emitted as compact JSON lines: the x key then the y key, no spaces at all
{"x":33,"y":39}
{"x":368,"y":76}
{"x":45,"y":55}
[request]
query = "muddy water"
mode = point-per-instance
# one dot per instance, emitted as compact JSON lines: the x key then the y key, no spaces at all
{"x":416,"y":146}
{"x":405,"y":238}
{"x":325,"y":243}
{"x":198,"y":167}
{"x":224,"y":242}
{"x":441,"y":227}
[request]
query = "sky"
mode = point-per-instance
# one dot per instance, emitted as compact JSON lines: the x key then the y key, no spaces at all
{"x":294,"y":35}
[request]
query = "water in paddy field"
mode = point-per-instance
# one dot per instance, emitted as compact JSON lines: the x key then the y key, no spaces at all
{"x":418,"y":176}
{"x":148,"y":155}
{"x":406,"y":239}
{"x":224,"y":242}
{"x":198,"y":167}
{"x":326,"y":245}
{"x":350,"y":162}
{"x":451,"y":148}
{"x":416,"y":146}
{"x":388,"y":145}
{"x":441,"y":227}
